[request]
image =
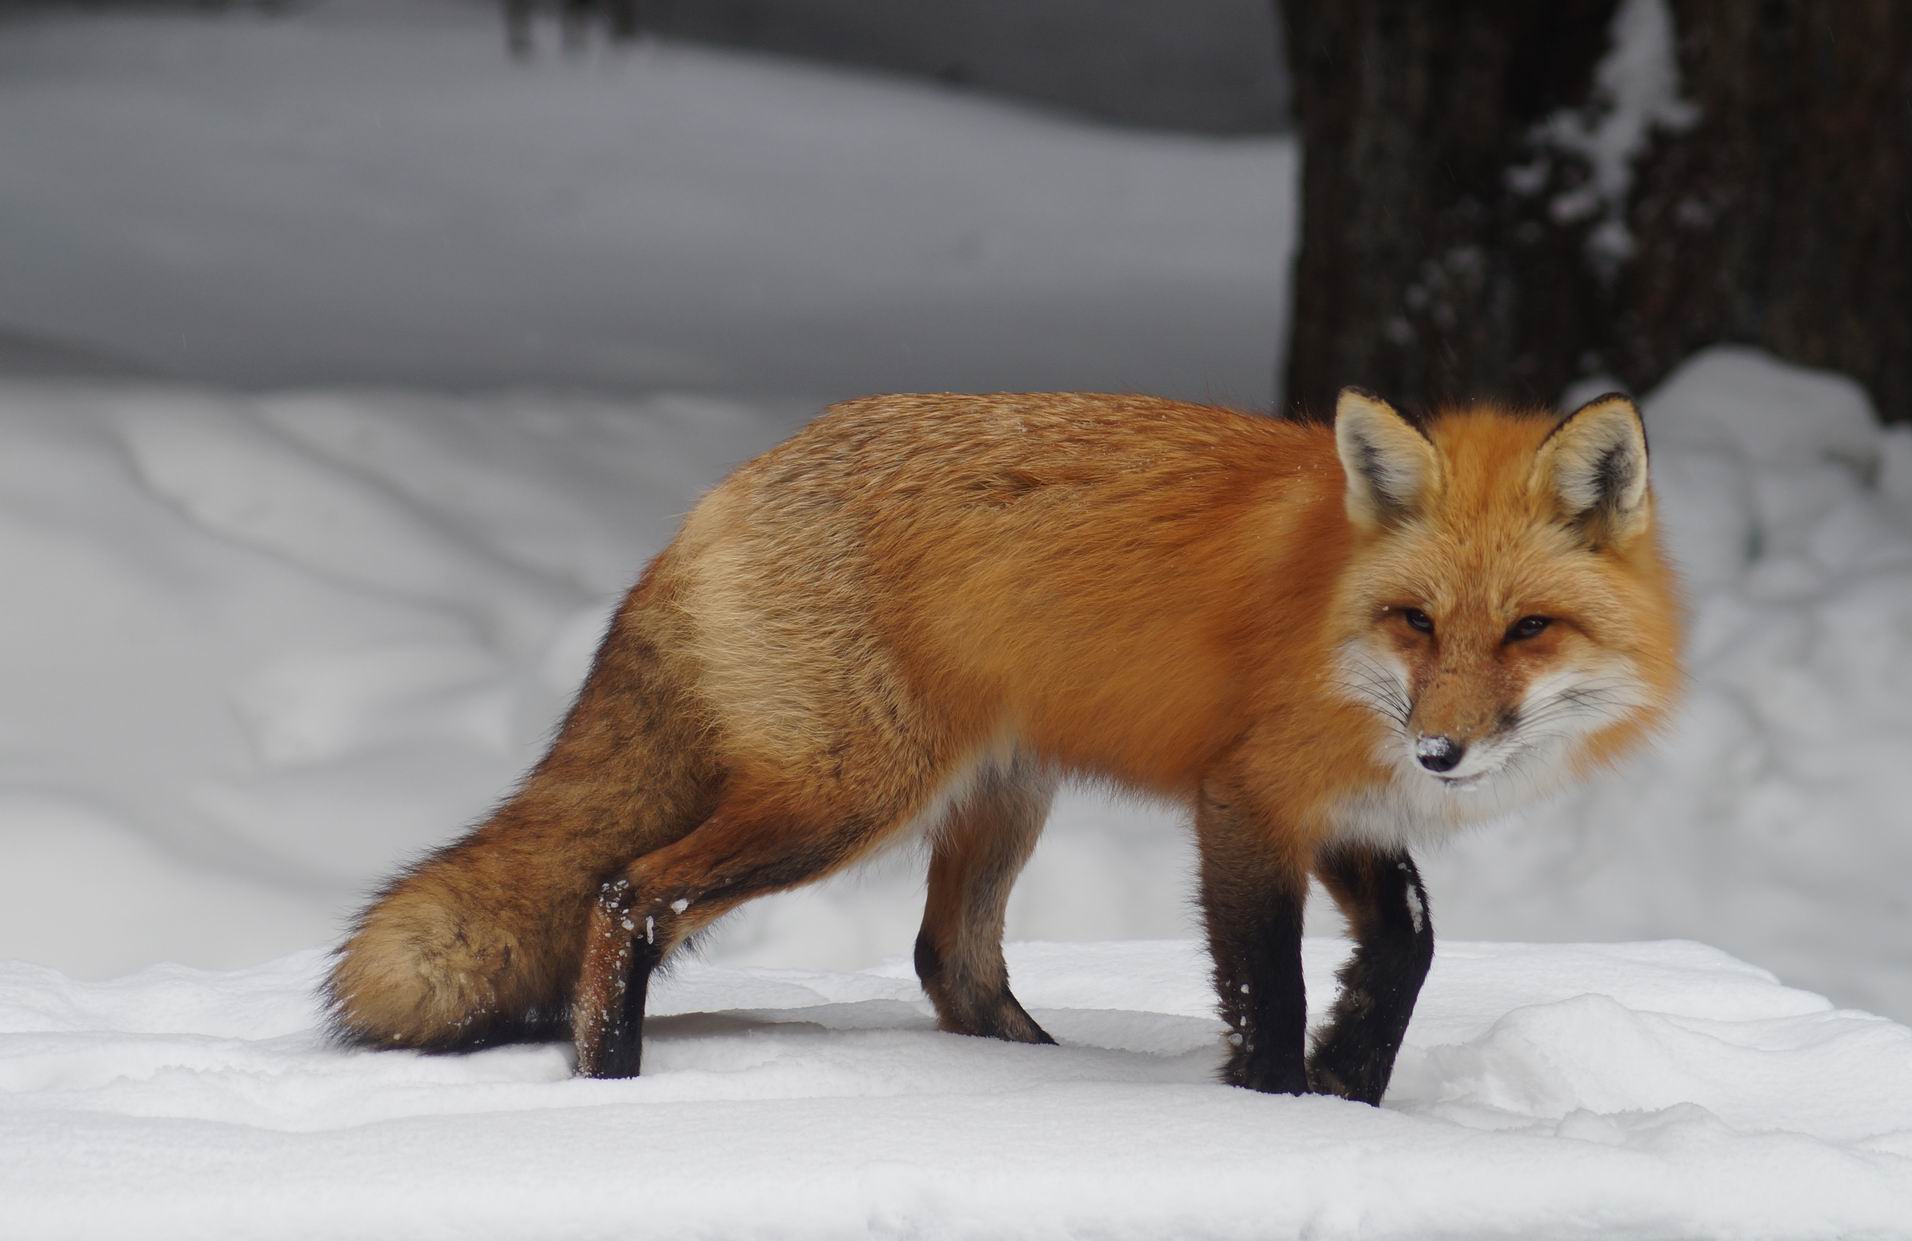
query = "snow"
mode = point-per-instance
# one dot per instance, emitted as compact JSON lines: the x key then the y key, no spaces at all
{"x":1416,"y":907}
{"x":372,"y":192}
{"x":1640,"y":1090}
{"x":1636,"y":89}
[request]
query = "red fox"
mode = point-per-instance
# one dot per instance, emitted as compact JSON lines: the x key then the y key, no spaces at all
{"x":926,"y":611}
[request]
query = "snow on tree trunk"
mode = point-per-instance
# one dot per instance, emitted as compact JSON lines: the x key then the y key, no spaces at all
{"x":1499,"y":197}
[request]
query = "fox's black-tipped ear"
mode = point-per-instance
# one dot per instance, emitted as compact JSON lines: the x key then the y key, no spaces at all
{"x":1594,"y":463}
{"x":1392,"y":467}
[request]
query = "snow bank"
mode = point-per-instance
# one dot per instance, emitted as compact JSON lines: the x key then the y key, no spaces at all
{"x":1639,"y":1090}
{"x":362,"y":191}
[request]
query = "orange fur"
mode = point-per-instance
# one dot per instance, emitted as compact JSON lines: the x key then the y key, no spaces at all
{"x":923,"y":609}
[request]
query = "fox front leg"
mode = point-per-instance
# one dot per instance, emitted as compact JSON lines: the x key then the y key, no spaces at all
{"x":1380,"y":893}
{"x":1252,"y":899}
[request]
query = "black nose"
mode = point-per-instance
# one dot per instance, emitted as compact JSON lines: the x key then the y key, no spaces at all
{"x":1439,"y":753}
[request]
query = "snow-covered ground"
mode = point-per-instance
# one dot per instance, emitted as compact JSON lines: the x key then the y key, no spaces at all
{"x":1624,"y":1090}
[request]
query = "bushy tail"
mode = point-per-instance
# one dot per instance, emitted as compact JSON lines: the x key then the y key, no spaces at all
{"x":463,"y":949}
{"x":482,"y":940}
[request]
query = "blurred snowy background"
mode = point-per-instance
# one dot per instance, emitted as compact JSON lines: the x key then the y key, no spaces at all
{"x":352,"y":364}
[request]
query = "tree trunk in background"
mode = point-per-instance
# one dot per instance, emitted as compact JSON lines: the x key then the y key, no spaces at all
{"x":1784,"y":218}
{"x":1501,"y":196}
{"x":1420,"y":274}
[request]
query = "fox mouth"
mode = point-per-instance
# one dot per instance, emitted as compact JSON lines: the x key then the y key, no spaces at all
{"x":1463,"y":784}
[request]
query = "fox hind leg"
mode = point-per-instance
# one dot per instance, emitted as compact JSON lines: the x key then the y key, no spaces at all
{"x":978,"y":852}
{"x":1380,"y":892}
{"x":607,"y":1011}
{"x":649,"y":907}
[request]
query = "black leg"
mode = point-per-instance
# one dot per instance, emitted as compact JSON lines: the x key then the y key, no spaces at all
{"x":607,"y":1013}
{"x":1380,"y":892}
{"x":622,"y":1050}
{"x":1252,"y":904}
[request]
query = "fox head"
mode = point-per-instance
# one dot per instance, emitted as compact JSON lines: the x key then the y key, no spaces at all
{"x":1507,"y":613}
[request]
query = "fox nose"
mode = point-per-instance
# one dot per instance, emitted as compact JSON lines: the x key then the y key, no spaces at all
{"x":1439,"y":753}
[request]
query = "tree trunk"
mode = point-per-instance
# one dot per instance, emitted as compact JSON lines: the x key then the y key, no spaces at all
{"x":1501,"y":196}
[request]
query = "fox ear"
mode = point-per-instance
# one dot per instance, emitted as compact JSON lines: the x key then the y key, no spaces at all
{"x":1391,"y":465}
{"x":1594,"y":464}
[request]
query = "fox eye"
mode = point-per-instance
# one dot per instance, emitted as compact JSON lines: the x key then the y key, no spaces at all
{"x":1527,"y":627}
{"x":1419,"y":619}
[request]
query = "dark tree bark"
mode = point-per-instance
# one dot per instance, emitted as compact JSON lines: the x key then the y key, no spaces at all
{"x":1420,"y":273}
{"x":1477,"y":224}
{"x":1784,"y":217}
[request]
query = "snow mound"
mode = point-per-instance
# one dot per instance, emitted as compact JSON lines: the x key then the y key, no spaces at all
{"x":367,"y":191}
{"x":1567,"y":1091}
